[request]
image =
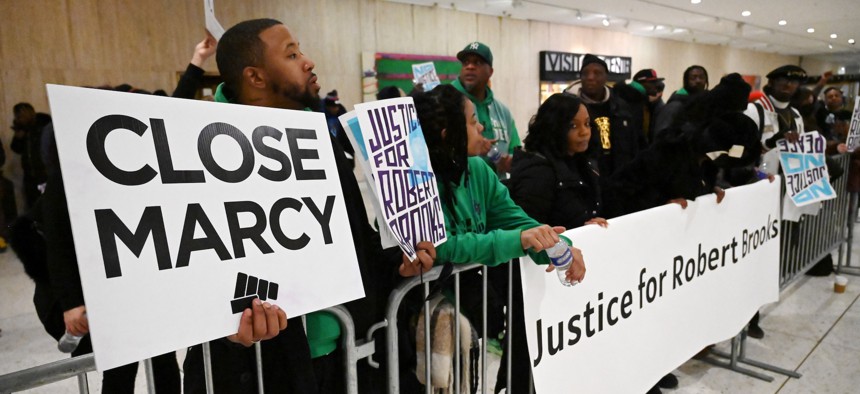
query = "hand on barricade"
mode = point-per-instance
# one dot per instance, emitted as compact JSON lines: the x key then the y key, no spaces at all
{"x":721,"y":194}
{"x":540,"y":238}
{"x":680,"y":201}
{"x":598,"y":221}
{"x":76,"y":321}
{"x":259,"y":322}
{"x":426,"y":255}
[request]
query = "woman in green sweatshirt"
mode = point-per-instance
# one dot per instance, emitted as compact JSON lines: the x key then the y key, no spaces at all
{"x":484,"y":225}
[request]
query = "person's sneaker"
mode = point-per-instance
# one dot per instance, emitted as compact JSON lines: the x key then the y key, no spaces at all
{"x":669,"y":381}
{"x":654,"y":390}
{"x":754,"y":331}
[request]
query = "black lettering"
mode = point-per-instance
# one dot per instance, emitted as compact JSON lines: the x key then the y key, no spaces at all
{"x":254,"y":233}
{"x":275,"y":223}
{"x":324,"y":217}
{"x":110,"y":227}
{"x":204,"y":147}
{"x":299,"y":154}
{"x":194,"y":216}
{"x":267,"y":151}
{"x":165,"y":161}
{"x":96,"y":137}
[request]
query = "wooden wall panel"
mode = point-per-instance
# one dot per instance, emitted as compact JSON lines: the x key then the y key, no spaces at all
{"x":146,"y":42}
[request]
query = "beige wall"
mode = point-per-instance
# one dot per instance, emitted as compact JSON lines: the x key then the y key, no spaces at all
{"x":145,"y":42}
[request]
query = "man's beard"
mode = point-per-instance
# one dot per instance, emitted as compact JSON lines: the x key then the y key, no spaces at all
{"x":306,"y":97}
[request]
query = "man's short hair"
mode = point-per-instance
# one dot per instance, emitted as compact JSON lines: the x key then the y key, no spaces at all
{"x":833,"y":88}
{"x":21,"y":107}
{"x":241,"y":47}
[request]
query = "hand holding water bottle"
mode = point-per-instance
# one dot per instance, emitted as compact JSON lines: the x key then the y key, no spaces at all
{"x":568,"y":260}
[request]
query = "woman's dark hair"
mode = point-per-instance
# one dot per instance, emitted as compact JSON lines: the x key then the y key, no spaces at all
{"x":549,"y":127}
{"x":438,"y":110}
{"x":687,"y":77}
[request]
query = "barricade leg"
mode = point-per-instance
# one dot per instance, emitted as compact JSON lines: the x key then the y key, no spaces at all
{"x":150,"y":376}
{"x":733,"y":360}
{"x":83,"y":384}
{"x":457,"y":363}
{"x":484,"y":274}
{"x":258,"y":356}
{"x":848,"y":269}
{"x":428,"y":348}
{"x":207,"y":368}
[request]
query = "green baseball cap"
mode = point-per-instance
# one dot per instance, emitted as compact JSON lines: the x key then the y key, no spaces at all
{"x":479,"y":49}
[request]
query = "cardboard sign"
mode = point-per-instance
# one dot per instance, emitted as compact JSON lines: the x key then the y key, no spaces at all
{"x":806,"y":178}
{"x":660,"y":285}
{"x":183,"y":211}
{"x":400,"y":166}
{"x":425,"y":73}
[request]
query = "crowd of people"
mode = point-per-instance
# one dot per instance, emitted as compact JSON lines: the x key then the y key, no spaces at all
{"x":591,"y":153}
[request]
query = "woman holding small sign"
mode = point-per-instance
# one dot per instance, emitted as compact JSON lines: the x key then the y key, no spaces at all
{"x":484,"y":225}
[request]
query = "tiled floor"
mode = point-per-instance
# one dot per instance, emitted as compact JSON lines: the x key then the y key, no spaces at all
{"x":812,"y":330}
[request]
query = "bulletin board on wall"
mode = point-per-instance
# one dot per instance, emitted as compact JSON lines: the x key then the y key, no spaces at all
{"x":395,"y":69}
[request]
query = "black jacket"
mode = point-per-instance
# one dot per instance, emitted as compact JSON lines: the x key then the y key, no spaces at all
{"x":625,"y":136}
{"x":29,"y":146}
{"x":666,"y":117}
{"x":553,"y":192}
{"x":667,"y":170}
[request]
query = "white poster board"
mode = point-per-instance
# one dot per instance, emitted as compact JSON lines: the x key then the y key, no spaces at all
{"x":212,"y":24}
{"x":183,"y":210}
{"x":660,"y":285}
{"x":425,"y":74}
{"x":853,"y":140}
{"x":400,"y":165}
{"x":807,"y":180}
{"x":353,"y":133}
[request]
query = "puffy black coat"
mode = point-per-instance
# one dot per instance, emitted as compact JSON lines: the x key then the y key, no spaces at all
{"x":553,"y":192}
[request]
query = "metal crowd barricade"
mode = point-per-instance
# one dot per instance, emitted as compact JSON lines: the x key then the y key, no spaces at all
{"x":42,"y":375}
{"x":802,"y":245}
{"x":390,"y":324}
{"x":56,"y":371}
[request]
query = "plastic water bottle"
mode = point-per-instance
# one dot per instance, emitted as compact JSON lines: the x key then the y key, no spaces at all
{"x":561,"y":258}
{"x":68,"y":342}
{"x":494,"y":154}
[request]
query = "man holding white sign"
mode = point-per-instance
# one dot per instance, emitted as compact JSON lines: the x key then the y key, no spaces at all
{"x":262,"y":65}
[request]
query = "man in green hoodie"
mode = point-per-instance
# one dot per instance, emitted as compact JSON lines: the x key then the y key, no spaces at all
{"x":474,"y":79}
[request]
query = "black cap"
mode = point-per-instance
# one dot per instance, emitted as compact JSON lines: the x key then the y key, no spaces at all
{"x":591,"y":59}
{"x":647,"y":75}
{"x":788,"y":71}
{"x":732,"y":93}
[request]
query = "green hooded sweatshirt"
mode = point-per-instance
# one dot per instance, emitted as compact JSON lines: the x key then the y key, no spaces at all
{"x":323,"y":329}
{"x":485,"y":226}
{"x":495,"y":117}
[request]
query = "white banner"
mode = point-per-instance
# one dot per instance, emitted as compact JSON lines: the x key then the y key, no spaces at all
{"x":660,"y":285}
{"x":183,"y":211}
{"x":400,"y":164}
{"x":807,"y":180}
